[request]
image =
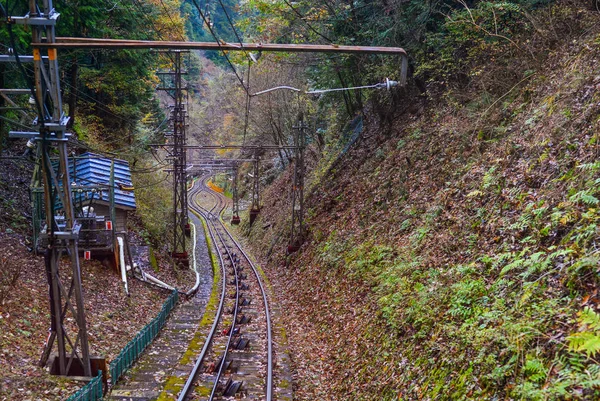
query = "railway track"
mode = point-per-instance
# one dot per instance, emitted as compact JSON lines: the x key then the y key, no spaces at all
{"x":237,"y":357}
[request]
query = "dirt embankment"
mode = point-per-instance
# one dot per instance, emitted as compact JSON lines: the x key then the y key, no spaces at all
{"x":452,"y":254}
{"x":112,"y":318}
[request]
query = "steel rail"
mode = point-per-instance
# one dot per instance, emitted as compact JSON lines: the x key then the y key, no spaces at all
{"x":214,"y":233}
{"x":267,"y":315}
{"x":88,"y":43}
{"x":196,"y":369}
{"x":235,"y":313}
{"x":211,"y":193}
{"x":234,"y":266}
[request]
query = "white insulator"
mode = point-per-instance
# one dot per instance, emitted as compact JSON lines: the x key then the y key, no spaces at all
{"x":389,"y":83}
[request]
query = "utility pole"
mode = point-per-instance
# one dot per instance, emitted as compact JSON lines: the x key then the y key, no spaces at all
{"x":60,"y":232}
{"x":235,"y":218}
{"x":297,"y":230}
{"x":255,"y":208}
{"x":178,"y":154}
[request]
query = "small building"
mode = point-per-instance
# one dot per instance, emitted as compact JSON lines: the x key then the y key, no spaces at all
{"x":92,"y":170}
{"x":102,"y":194}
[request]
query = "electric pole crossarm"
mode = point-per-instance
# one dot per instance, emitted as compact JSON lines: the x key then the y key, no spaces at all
{"x":232,"y":147}
{"x":22,"y":59}
{"x":36,"y":21}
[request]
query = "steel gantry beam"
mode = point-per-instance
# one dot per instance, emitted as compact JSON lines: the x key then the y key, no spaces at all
{"x":94,"y":43}
{"x":178,"y":154}
{"x":60,"y":232}
{"x":220,"y":161}
{"x":86,"y":43}
{"x":300,"y":141}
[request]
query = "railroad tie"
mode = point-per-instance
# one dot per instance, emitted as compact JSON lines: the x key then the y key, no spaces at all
{"x":243,"y":319}
{"x":241,"y":343}
{"x":232,"y":387}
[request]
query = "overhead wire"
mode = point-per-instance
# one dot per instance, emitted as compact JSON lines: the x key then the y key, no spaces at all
{"x":96,"y":102}
{"x":171,"y":19}
{"x":248,"y":96}
{"x":106,"y":109}
{"x":152,"y":25}
{"x":212,"y":32}
{"x":302,"y":18}
{"x":387,"y":84}
{"x":232,"y":26}
{"x":119,"y":151}
{"x":92,"y":101}
{"x":41,"y":116}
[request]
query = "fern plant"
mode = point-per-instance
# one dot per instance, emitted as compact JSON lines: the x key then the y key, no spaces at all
{"x":587,"y":340}
{"x":535,"y":370}
{"x":585,"y":197}
{"x":590,"y":167}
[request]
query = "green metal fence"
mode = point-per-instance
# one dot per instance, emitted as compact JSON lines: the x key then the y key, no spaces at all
{"x":91,"y":391}
{"x":135,"y":347}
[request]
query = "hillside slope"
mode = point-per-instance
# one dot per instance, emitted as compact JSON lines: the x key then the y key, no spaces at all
{"x":113,"y":318}
{"x":453,"y":252}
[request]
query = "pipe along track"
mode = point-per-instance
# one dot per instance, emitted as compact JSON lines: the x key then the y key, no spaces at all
{"x":232,"y":360}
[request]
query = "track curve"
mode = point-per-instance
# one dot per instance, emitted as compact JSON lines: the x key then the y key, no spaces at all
{"x":238,"y":358}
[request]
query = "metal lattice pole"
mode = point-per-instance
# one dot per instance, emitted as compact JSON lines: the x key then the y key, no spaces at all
{"x":60,"y":232}
{"x":179,"y":156}
{"x":179,"y":165}
{"x":255,"y":208}
{"x":235,"y":212}
{"x":297,"y":229}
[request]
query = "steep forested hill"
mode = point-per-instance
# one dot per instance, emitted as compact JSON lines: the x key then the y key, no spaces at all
{"x":452,"y":251}
{"x":452,"y":233}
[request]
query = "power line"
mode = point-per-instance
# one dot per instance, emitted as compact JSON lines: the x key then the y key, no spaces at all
{"x":301,"y":18}
{"x":249,"y":65}
{"x":170,"y":18}
{"x":220,"y":46}
{"x":388,"y":84}
{"x":92,"y":101}
{"x":232,"y":24}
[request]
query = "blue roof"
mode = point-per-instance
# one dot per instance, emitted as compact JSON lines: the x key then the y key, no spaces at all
{"x":93,"y":169}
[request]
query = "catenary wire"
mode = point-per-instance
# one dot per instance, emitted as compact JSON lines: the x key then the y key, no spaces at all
{"x":212,"y":32}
